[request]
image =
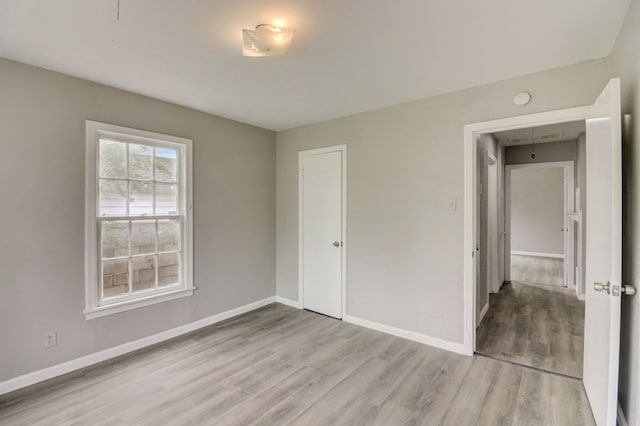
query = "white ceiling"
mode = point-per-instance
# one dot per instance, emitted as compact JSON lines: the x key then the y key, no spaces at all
{"x":347,"y":56}
{"x":541,"y":134}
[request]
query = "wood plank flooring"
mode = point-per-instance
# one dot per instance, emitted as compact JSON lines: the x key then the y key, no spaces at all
{"x":534,"y":326}
{"x":537,"y":270}
{"x":283,"y":366}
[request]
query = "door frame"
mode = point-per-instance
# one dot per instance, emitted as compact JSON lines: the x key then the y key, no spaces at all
{"x":301,"y":155}
{"x":501,"y":222}
{"x":493,"y":237}
{"x":568,"y":184}
{"x":471,"y":131}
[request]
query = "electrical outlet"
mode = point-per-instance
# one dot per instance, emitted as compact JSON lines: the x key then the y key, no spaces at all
{"x":51,"y":339}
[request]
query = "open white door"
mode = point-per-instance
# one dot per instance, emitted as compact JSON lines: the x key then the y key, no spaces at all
{"x":603,"y":254}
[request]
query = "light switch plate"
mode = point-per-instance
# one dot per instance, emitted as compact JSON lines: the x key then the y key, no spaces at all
{"x":452,"y":204}
{"x":51,"y":339}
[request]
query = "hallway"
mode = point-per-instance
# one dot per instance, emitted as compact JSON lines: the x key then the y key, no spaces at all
{"x":536,"y":269}
{"x":534,"y":326}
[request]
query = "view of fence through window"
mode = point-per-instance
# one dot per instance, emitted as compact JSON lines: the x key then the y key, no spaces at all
{"x":139,"y":218}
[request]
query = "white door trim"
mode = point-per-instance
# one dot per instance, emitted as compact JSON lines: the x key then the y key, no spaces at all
{"x":492,"y":226}
{"x":471,"y":131}
{"x":501,"y":225}
{"x":569,"y":208}
{"x":301,"y":155}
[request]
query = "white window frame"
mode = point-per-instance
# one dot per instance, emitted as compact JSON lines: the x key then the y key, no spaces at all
{"x":94,"y":131}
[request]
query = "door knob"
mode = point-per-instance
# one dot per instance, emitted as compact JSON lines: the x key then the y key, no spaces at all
{"x":337,"y":243}
{"x":627,"y":290}
{"x":602,"y":287}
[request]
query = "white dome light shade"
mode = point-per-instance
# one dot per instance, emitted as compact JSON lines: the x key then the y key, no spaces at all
{"x":266,"y":40}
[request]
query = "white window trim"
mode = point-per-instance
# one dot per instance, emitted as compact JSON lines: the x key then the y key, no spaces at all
{"x":94,"y":130}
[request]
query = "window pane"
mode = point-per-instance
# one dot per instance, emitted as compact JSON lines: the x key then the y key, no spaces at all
{"x":144,"y":272}
{"x":115,"y":239}
{"x":115,"y":277}
{"x":113,"y":198}
{"x":166,"y":198}
{"x":168,"y":235}
{"x":143,"y":237}
{"x":166,"y":160}
{"x":168,"y":269}
{"x":113,"y":159}
{"x":140,"y":162}
{"x":140,"y":198}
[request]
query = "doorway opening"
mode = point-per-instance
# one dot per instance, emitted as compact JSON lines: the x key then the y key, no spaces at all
{"x":602,"y":239}
{"x":540,"y":217}
{"x":529,"y":307}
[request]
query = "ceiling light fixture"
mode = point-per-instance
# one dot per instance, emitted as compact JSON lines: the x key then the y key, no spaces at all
{"x":266,"y":40}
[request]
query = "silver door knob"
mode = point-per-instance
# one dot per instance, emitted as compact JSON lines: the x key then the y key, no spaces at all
{"x":602,"y":287}
{"x":336,"y":243}
{"x":628,"y":290}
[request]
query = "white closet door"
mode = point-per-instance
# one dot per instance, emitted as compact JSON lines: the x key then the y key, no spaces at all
{"x":321,"y":226}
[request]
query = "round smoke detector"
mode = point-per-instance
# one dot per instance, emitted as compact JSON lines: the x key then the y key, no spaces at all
{"x":522,"y":98}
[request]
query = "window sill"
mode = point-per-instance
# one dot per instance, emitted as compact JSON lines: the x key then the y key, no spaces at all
{"x":137,"y":303}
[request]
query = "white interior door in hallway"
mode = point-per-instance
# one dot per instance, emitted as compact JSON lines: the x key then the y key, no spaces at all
{"x":322,"y":231}
{"x":603,"y":269}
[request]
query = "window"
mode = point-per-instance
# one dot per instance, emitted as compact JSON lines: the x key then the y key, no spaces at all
{"x":138,"y":218}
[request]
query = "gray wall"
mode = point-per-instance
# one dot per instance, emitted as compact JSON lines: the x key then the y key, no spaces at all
{"x":405,"y":264}
{"x":42,"y":117}
{"x":537,"y":210}
{"x":625,"y":60}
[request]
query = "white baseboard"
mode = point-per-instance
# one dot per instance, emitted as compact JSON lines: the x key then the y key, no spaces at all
{"x":581,"y":297}
{"x":483,"y":312}
{"x":537,"y":254}
{"x":106,"y":354}
{"x":289,"y":302}
{"x":622,"y":420}
{"x":406,"y":334}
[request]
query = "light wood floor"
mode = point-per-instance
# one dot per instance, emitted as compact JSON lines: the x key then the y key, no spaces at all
{"x":534,"y":326}
{"x":537,"y":270}
{"x":280,"y":365}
